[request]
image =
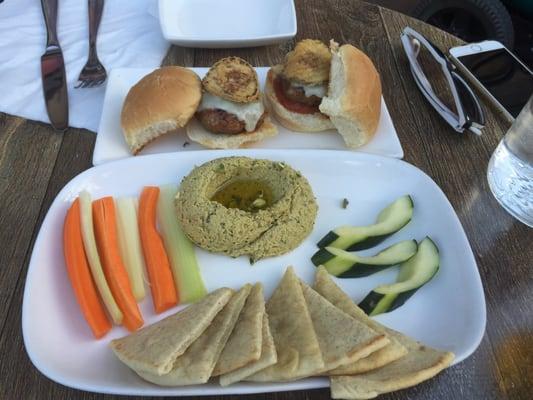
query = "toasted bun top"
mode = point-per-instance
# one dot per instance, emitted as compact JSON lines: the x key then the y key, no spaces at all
{"x":308,"y":63}
{"x":361,"y":97}
{"x":163,"y":100}
{"x":233,"y":79}
{"x":353,"y":102}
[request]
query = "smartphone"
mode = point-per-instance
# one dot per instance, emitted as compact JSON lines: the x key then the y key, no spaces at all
{"x":496,"y":72}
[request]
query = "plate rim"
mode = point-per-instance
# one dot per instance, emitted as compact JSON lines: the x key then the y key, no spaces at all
{"x":305,"y":384}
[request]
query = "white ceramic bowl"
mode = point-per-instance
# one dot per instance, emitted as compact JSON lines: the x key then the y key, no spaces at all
{"x":227,"y":23}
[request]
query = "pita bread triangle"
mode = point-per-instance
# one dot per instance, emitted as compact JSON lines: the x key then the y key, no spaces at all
{"x":294,"y":336}
{"x":421,"y":363}
{"x":268,"y":358}
{"x":196,"y":364}
{"x":154,"y":348}
{"x":244,"y":343}
{"x":342,"y":339}
{"x":392,"y":351}
{"x":418,"y":364}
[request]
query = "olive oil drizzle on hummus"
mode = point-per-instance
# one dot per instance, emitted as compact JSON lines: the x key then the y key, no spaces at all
{"x":249,"y":195}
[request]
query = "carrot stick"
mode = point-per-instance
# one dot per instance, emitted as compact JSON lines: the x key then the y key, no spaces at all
{"x":104,"y":219}
{"x":80,"y":274}
{"x":164,"y":292}
{"x":97,"y":272}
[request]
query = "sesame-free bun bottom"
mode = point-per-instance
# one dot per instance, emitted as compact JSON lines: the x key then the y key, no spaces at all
{"x":197,"y":133}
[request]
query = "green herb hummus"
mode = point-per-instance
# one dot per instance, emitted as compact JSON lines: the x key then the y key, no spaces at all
{"x":243,"y":206}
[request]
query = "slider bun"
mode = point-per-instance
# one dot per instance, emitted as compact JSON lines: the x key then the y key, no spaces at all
{"x":233,"y":79}
{"x":294,"y":121}
{"x":199,"y":134}
{"x":161,"y":102}
{"x":354,"y":97}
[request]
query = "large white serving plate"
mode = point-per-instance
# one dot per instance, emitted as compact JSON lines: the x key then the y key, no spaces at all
{"x":227,"y":23}
{"x":448,"y":312}
{"x":110,"y":144}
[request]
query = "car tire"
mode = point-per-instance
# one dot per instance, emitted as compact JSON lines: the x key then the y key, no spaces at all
{"x":471,"y":20}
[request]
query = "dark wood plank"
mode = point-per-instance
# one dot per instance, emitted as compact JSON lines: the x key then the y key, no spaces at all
{"x":28,"y":151}
{"x":179,"y":56}
{"x":498,"y":369}
{"x":73,"y":156}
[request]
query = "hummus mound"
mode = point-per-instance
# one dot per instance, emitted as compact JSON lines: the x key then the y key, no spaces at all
{"x":274,"y":230}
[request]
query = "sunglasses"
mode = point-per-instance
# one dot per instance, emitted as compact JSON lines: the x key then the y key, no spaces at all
{"x":468,"y":114}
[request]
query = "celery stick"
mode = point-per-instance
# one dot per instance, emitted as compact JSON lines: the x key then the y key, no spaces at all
{"x":130,"y":244}
{"x":89,"y":243}
{"x":179,"y":248}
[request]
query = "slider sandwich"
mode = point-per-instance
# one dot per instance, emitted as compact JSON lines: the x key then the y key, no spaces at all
{"x":161,"y":102}
{"x":318,"y":89}
{"x":231,"y":112}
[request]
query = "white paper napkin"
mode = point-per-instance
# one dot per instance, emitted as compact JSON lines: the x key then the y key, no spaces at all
{"x":129,"y":36}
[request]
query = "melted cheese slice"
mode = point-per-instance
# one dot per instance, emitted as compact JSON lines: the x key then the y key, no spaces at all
{"x":312,"y":90}
{"x":249,"y":113}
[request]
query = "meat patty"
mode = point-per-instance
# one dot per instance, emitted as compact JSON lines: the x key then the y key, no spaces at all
{"x":297,"y":94}
{"x":220,"y":121}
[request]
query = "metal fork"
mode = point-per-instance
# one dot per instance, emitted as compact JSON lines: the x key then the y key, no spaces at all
{"x":93,"y":73}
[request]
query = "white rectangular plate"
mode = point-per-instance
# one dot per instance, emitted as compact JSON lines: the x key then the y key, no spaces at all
{"x":227,"y":23}
{"x":448,"y":312}
{"x":110,"y":143}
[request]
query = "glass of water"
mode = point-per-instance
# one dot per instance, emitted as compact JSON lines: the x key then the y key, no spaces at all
{"x":510,"y":172}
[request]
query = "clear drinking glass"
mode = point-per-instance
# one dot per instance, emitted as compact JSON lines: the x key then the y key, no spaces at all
{"x":510,"y":172}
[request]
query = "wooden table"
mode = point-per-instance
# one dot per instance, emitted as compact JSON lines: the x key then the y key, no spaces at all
{"x":36,"y":162}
